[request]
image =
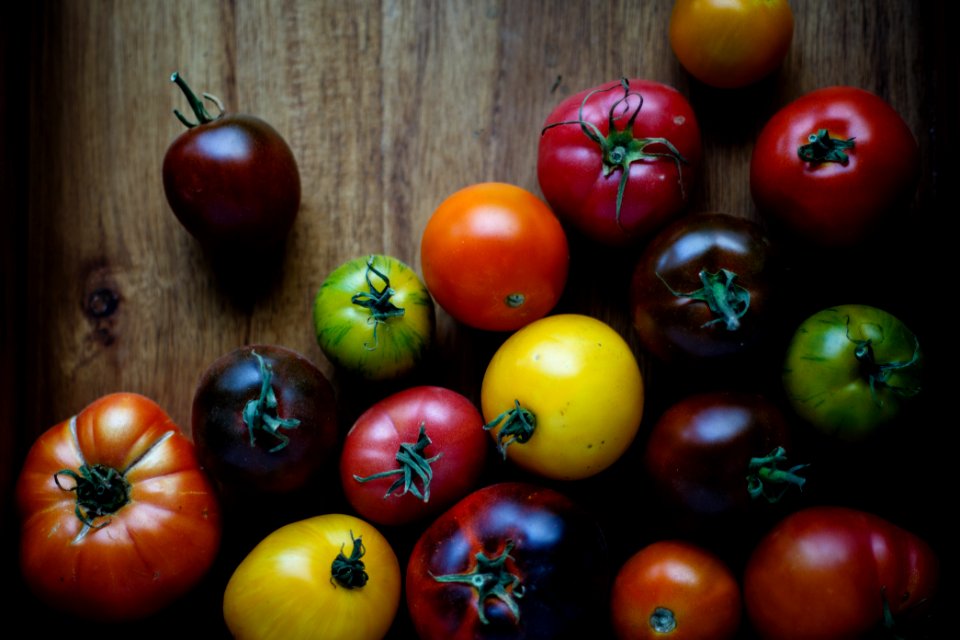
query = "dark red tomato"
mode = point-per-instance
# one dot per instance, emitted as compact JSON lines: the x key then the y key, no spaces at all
{"x":829,"y":572}
{"x":833,"y":163}
{"x":264,"y":420}
{"x":716,"y":453}
{"x":413,"y":454}
{"x":702,"y":288}
{"x":618,"y":160}
{"x":231,"y":180}
{"x":511,"y":560}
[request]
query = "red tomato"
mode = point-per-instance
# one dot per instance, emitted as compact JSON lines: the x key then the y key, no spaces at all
{"x":494,"y":257}
{"x":412,"y":455}
{"x":675,"y":590}
{"x":618,"y":160}
{"x":833,"y":163}
{"x":828,"y":573}
{"x":118,"y":519}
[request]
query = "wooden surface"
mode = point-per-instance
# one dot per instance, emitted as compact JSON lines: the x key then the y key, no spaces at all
{"x":388,"y":108}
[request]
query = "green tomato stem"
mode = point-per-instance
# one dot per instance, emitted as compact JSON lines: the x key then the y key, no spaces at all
{"x":765,"y":478}
{"x":203,"y":116}
{"x":350,"y":572}
{"x":261,"y":414}
{"x":413,"y":465}
{"x":663,"y":620}
{"x":101,"y":491}
{"x":377,"y":301}
{"x":878,"y":374}
{"x":518,"y":426}
{"x":822,"y":148}
{"x":492,"y":579}
{"x":725,"y":298}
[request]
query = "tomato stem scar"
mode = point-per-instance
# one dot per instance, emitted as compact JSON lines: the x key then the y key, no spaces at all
{"x":411,"y":459}
{"x":662,"y":620}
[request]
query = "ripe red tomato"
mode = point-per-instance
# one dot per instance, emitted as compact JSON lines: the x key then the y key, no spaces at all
{"x":829,"y":572}
{"x":674,"y":589}
{"x":494,"y":257}
{"x":231,"y":180}
{"x":618,"y":160}
{"x":833,"y":163}
{"x":118,"y":519}
{"x":511,"y":560}
{"x":412,"y":455}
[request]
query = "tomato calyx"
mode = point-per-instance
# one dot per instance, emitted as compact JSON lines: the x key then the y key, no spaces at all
{"x":765,"y":474}
{"x":492,"y":579}
{"x":662,"y":620}
{"x":722,"y":294}
{"x":257,"y":413}
{"x":203,"y":116}
{"x":878,"y":374}
{"x":822,"y":148}
{"x":619,"y":148}
{"x":412,"y":462}
{"x":518,"y":426}
{"x":377,"y":301}
{"x":101,"y":491}
{"x":350,"y":572}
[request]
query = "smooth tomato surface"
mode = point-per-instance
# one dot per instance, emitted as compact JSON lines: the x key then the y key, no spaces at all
{"x":130,"y":544}
{"x":494,"y":256}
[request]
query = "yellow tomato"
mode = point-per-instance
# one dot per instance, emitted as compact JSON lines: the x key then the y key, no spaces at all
{"x":576,"y":382}
{"x":297,"y":583}
{"x":731,"y":43}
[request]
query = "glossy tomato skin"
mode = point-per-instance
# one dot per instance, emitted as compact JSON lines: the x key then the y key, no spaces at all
{"x":677,"y":590}
{"x":233,"y":183}
{"x":826,"y":572}
{"x":374,"y":318}
{"x":494,"y":256}
{"x":285,"y":588}
{"x":454,"y":428}
{"x":136,"y":558}
{"x":673,"y":320}
{"x":851,"y":369}
{"x":239,"y":450}
{"x":729,"y":44}
{"x":582,"y":190}
{"x":557,"y":553}
{"x":580,"y":383}
{"x":835,"y":203}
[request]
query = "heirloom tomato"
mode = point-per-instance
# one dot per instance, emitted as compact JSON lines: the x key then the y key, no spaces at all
{"x":563,"y":397}
{"x":833,"y":163}
{"x":833,"y":573}
{"x":374,"y":317}
{"x":231,"y":180}
{"x":675,"y":590}
{"x":511,"y":560}
{"x":849,"y":369}
{"x":618,"y":160}
{"x":264,"y":420}
{"x":730,"y":43}
{"x":118,"y":519}
{"x":702,"y":288}
{"x":494,"y":256}
{"x":328,"y":577}
{"x":412,"y":455}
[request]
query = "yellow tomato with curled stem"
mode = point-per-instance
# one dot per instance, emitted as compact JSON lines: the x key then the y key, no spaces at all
{"x":563,"y":397}
{"x":331,"y":576}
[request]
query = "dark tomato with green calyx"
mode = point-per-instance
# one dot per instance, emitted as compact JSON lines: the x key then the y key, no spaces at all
{"x":231,"y":180}
{"x":264,"y":420}
{"x":851,"y":369}
{"x":511,"y":560}
{"x":834,"y":573}
{"x":717,"y":453}
{"x":702,"y":289}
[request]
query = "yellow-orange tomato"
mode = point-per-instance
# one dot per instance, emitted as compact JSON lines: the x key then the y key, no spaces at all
{"x":731,"y":43}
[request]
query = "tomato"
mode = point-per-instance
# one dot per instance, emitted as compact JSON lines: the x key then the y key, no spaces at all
{"x":702,"y":289}
{"x":849,"y":369}
{"x":374,"y":317}
{"x":563,"y":397}
{"x":231,"y":180}
{"x":264,"y":420}
{"x":413,"y":454}
{"x":833,"y":164}
{"x":511,"y":560}
{"x":674,"y":589}
{"x":494,"y":256}
{"x":618,"y":160}
{"x":332,"y":576}
{"x":118,"y":519}
{"x":716,"y":453}
{"x":829,"y":572}
{"x":729,"y":44}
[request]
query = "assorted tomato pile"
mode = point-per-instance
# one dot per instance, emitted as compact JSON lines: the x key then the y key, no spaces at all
{"x":460,"y":512}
